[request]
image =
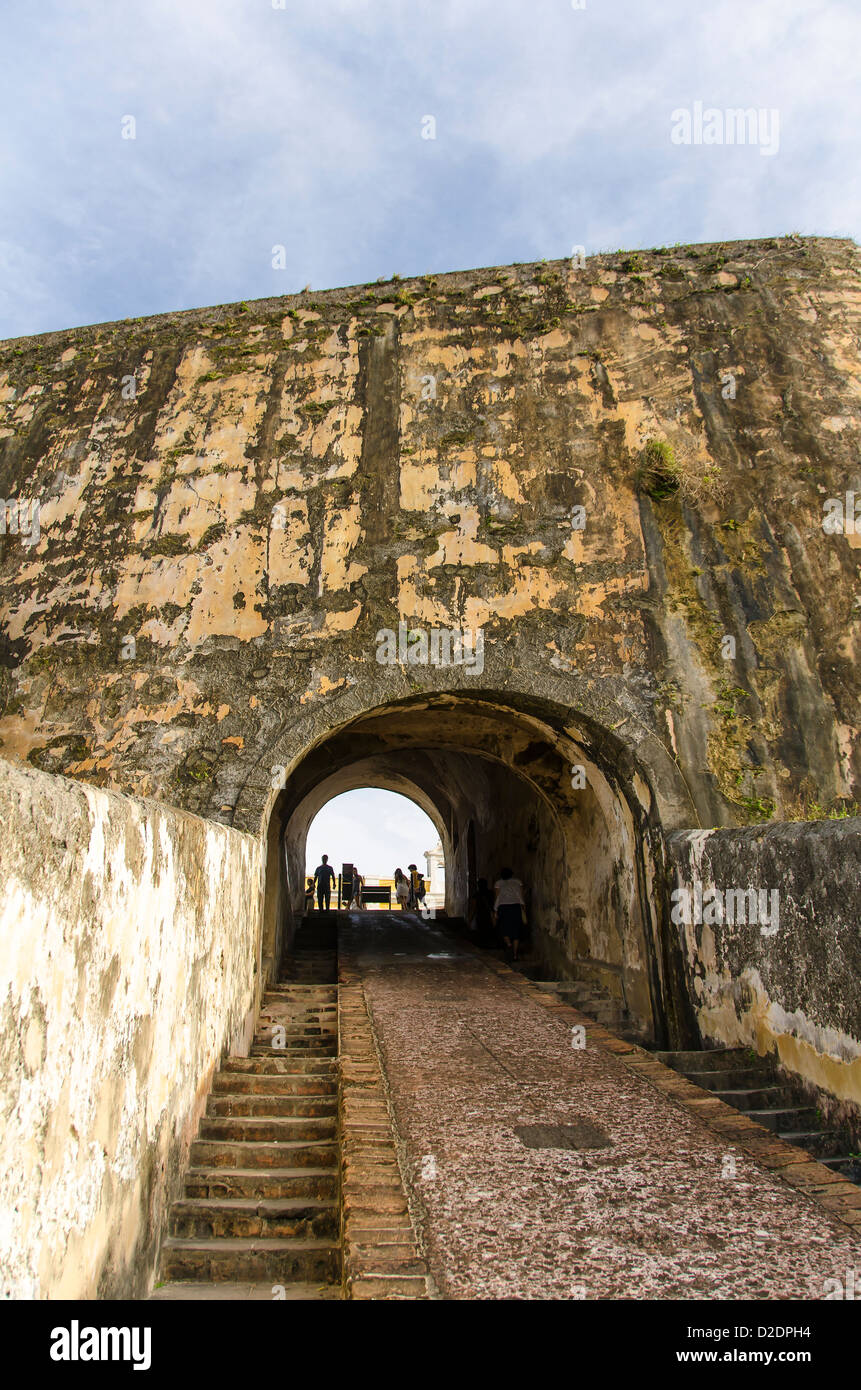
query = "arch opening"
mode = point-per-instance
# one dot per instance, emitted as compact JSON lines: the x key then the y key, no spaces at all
{"x":568,"y":811}
{"x":375,"y":831}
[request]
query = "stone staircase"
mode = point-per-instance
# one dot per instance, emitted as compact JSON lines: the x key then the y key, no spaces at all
{"x":752,"y":1084}
{"x":261,"y":1207}
{"x":594,"y":1001}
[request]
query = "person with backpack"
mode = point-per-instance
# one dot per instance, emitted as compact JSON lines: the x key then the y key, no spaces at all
{"x":417,"y":888}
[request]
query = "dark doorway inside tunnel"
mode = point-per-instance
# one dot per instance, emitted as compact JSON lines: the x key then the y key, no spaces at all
{"x":559,"y":801}
{"x":471,"y":871}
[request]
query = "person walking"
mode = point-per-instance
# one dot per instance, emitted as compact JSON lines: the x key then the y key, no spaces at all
{"x":510,"y":908}
{"x":402,"y":889}
{"x":417,"y":888}
{"x":356,"y":891}
{"x":324,"y":877}
{"x":309,"y":893}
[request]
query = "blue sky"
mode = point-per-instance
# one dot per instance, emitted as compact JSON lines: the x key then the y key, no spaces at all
{"x":302,"y":127}
{"x":380,"y":831}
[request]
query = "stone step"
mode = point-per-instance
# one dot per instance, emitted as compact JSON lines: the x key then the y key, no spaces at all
{"x":293,"y":1003}
{"x":326,"y":993}
{"x":199,"y":1291}
{"x":270,"y":1064}
{"x":314,"y":995}
{"x":263,"y":1129}
{"x":291,"y":1030}
{"x":227,"y":1103}
{"x":216,"y":1153}
{"x":786,"y":1119}
{"x":302,"y":1046}
{"x":262,"y":1184}
{"x":300,"y":1008}
{"x":821,"y":1143}
{"x":326,"y":1008}
{"x":319,"y":971}
{"x":294,"y":1052}
{"x":294,"y":1037}
{"x":281,"y":1261}
{"x":705,"y":1060}
{"x":729,"y":1078}
{"x":330,"y":974}
{"x":576,"y":988}
{"x":284,"y":1004}
{"x":604,"y":1009}
{"x":300,"y":1021}
{"x":846,"y":1164}
{"x":776,"y":1098}
{"x":305,"y":963}
{"x":273,"y":1084}
{"x":316,"y":973}
{"x":292,"y":1218}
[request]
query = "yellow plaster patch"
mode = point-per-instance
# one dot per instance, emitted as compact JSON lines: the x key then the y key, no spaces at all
{"x":342,"y":532}
{"x":324,"y":687}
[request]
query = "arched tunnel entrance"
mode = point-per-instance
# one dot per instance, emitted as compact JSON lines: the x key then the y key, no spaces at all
{"x":505,"y":784}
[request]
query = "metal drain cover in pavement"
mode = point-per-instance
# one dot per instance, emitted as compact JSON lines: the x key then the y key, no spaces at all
{"x":580,"y":1134}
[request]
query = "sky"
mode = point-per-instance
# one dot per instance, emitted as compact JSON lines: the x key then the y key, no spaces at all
{"x":301,"y":124}
{"x":379,"y":831}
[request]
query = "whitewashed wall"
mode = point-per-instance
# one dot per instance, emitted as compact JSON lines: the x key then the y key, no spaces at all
{"x":129,"y":962}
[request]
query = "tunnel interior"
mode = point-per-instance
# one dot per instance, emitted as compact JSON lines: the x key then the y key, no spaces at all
{"x":502,"y":786}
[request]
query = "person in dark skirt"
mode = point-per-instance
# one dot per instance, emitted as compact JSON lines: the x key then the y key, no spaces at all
{"x":510,"y":906}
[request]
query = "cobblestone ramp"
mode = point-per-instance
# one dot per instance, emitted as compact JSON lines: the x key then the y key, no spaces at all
{"x":260,"y":1216}
{"x":538,"y":1168}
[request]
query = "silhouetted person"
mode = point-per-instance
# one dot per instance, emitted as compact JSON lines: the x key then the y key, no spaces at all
{"x":510,"y":905}
{"x":324,"y":877}
{"x":417,"y":888}
{"x":309,"y":893}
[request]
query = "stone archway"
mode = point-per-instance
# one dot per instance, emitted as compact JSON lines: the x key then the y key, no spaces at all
{"x":568,"y":808}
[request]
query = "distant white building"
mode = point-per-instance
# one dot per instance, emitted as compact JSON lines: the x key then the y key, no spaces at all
{"x":435,"y":860}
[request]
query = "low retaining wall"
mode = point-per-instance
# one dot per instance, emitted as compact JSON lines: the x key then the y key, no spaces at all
{"x":129,"y":962}
{"x":779,"y":969}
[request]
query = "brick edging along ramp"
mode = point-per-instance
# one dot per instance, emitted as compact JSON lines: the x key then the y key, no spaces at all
{"x":381,"y":1258}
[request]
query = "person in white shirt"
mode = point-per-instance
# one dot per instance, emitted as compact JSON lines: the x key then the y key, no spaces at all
{"x":402,"y":889}
{"x":509,"y":907}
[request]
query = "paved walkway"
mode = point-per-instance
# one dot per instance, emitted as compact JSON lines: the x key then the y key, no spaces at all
{"x":469,"y":1060}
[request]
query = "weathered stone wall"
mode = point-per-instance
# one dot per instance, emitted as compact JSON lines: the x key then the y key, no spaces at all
{"x":234,"y":502}
{"x":129,"y":940}
{"x":789,"y":985}
{"x":252,"y":492}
